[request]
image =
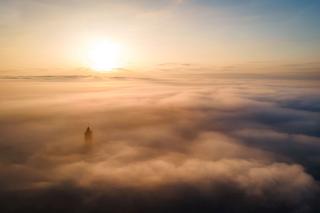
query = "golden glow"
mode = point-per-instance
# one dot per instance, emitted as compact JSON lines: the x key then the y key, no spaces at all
{"x":104,"y":56}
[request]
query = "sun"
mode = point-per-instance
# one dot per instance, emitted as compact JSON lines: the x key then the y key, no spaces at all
{"x":104,"y":56}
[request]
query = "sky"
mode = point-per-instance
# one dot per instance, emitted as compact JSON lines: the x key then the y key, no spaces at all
{"x":53,"y":35}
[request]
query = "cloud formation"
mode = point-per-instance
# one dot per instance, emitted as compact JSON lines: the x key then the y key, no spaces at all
{"x":192,"y":144}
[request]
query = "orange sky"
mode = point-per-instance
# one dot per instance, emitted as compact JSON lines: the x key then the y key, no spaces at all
{"x":54,"y":35}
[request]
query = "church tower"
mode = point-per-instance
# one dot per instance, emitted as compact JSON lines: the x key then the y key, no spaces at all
{"x":88,"y":136}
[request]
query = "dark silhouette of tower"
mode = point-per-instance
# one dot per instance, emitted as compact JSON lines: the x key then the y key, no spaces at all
{"x":88,"y":138}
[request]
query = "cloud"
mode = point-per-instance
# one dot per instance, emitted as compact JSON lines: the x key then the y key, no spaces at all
{"x":192,"y":144}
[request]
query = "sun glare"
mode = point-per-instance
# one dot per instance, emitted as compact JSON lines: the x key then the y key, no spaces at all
{"x":104,"y":56}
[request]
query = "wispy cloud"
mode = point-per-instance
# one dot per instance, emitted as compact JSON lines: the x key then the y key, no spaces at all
{"x":223,"y":144}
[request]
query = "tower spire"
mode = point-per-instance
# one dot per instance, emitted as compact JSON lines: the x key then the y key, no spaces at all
{"x":88,"y":135}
